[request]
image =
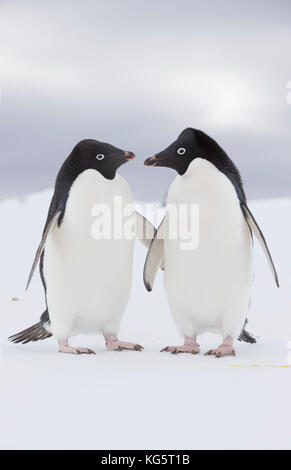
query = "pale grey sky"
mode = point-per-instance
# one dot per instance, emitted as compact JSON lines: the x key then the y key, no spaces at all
{"x":135,"y":73}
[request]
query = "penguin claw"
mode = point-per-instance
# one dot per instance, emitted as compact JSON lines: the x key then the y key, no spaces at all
{"x":208,"y":353}
{"x":71,"y":350}
{"x":223,"y":350}
{"x":189,"y":348}
{"x":85,"y":351}
{"x":122,"y":345}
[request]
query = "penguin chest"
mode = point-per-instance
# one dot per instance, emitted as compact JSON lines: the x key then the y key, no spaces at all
{"x":212,"y":275}
{"x":88,"y":277}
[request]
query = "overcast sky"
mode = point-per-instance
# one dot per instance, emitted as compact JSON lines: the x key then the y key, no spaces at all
{"x":135,"y":73}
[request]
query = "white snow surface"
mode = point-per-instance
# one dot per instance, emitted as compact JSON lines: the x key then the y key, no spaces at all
{"x":148,"y":400}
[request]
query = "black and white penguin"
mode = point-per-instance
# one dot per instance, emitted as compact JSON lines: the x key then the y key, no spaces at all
{"x":208,"y":287}
{"x":87,"y":281}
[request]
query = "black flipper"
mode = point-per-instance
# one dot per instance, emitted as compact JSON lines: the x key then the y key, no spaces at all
{"x":56,"y":212}
{"x":49,"y":226}
{"x":36,"y":332}
{"x":251,"y":221}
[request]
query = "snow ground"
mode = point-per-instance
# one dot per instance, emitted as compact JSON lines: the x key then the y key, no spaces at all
{"x":148,"y":400}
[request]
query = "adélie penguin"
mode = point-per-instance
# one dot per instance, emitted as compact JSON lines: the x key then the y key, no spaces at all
{"x":209,"y":286}
{"x":87,"y":280}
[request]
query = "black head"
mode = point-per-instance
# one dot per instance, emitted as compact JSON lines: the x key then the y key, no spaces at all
{"x":105,"y":158}
{"x":190,"y":144}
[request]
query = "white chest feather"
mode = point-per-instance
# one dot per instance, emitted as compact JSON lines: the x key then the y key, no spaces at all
{"x":208,"y":287}
{"x":88,"y":279}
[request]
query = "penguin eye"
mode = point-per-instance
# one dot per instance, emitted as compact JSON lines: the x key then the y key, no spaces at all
{"x":181,"y":151}
{"x":100,"y":156}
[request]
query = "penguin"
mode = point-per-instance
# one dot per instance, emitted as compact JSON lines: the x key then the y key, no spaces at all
{"x":87,"y":281}
{"x":208,"y":287}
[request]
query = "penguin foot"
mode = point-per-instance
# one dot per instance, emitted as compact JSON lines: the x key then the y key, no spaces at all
{"x":223,"y":350}
{"x":190,"y":346}
{"x":113,"y":344}
{"x":186,"y":348}
{"x":65,"y":348}
{"x":122,"y":345}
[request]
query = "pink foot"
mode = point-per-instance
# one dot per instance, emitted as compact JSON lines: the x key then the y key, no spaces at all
{"x":225,"y":349}
{"x":65,"y":348}
{"x":194,"y":349}
{"x":113,"y":344}
{"x":190,"y":346}
{"x":121,"y":345}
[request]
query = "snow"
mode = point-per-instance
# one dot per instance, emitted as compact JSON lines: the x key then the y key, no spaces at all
{"x":148,"y":400}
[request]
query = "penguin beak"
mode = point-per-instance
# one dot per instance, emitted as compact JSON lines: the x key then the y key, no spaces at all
{"x":128,"y":156}
{"x":160,"y":159}
{"x":152,"y":161}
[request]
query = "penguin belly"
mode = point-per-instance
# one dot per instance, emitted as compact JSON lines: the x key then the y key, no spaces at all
{"x":88,"y":280}
{"x":208,"y":288}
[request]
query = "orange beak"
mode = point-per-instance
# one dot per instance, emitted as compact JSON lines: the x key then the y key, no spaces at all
{"x":152,"y":161}
{"x":129,"y":156}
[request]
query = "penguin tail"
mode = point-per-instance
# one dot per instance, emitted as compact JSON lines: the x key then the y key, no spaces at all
{"x":36,"y":332}
{"x":246,"y":336}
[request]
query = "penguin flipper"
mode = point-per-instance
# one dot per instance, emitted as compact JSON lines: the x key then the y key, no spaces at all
{"x":251,"y":221}
{"x":49,"y":226}
{"x":155,"y":257}
{"x":145,"y":230}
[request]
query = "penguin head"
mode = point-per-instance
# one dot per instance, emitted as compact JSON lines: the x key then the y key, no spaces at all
{"x":99,"y":156}
{"x":190,"y":144}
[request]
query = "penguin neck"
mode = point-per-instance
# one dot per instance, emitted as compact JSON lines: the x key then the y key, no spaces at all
{"x":222,"y":163}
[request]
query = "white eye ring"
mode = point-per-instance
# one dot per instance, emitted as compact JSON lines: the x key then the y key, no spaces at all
{"x":181,"y":151}
{"x":100,"y":156}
